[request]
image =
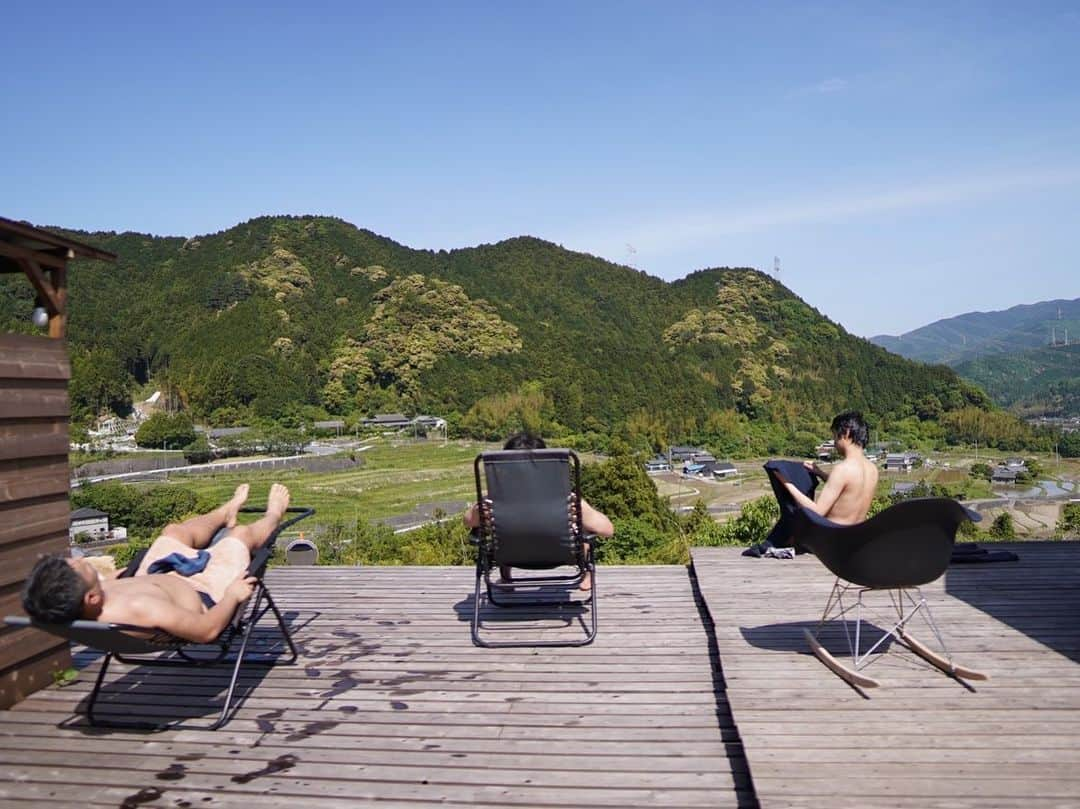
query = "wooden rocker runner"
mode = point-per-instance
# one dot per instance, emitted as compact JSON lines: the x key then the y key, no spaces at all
{"x":903,"y":547}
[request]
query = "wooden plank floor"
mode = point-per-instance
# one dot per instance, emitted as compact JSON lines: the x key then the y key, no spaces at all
{"x":392,"y":703}
{"x":921,"y":738}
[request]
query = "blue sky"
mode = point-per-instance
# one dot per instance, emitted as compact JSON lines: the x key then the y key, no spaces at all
{"x":906,"y":162}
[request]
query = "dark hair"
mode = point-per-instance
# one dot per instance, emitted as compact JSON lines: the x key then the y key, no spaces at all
{"x":54,"y":592}
{"x":524,"y":441}
{"x":851,"y":424}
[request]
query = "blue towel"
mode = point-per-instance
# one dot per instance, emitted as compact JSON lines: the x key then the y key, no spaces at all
{"x":178,"y":563}
{"x":781,"y":536}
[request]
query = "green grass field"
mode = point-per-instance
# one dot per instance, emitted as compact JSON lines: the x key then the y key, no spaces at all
{"x":394,"y":479}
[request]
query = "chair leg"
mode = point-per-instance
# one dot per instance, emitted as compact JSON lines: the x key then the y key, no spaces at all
{"x":477,"y":640}
{"x":93,"y":720}
{"x":590,"y":636}
{"x":945,"y":663}
{"x":906,"y":607}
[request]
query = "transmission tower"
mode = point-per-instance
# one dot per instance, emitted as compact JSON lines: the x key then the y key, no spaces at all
{"x":776,"y":267}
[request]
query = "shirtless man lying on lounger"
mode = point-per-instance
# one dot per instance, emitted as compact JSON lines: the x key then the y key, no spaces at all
{"x":196,"y":607}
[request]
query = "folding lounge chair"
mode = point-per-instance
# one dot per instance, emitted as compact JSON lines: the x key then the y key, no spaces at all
{"x":530,"y":517}
{"x":902,"y":547}
{"x":116,"y":642}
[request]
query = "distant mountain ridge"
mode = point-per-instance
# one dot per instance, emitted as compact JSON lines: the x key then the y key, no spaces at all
{"x":965,"y":337}
{"x":283,"y":313}
{"x":1019,"y":355}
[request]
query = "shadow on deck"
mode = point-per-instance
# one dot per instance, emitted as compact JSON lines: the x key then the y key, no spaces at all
{"x":390,"y":702}
{"x":922,"y":738}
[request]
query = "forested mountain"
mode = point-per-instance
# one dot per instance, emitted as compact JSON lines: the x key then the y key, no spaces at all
{"x":1039,"y":382}
{"x":1019,"y":355}
{"x":978,"y":334}
{"x":286,"y":315}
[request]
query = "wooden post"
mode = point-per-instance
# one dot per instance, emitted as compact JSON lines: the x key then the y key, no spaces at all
{"x":34,"y":509}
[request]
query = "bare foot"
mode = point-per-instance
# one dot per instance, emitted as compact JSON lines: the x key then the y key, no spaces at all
{"x":277,"y":501}
{"x":586,"y":582}
{"x":233,"y":506}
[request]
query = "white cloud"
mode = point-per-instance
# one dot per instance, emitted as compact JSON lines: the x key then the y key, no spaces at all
{"x":828,"y":86}
{"x":694,"y":228}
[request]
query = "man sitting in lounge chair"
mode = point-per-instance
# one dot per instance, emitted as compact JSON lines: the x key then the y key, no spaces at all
{"x":181,"y":587}
{"x":592,"y":521}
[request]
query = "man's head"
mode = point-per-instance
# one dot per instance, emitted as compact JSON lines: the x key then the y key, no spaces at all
{"x":852,"y":426}
{"x":58,"y":589}
{"x":524,"y":441}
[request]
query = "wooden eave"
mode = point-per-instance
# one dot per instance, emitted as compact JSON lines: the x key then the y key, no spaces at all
{"x":17,"y":239}
{"x":43,"y":257}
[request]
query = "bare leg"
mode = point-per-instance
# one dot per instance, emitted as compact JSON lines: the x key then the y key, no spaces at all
{"x":198,"y":531}
{"x":256,"y":534}
{"x":586,"y":581}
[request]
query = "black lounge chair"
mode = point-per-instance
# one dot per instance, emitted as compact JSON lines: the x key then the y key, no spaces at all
{"x":117,"y":641}
{"x":530,"y":518}
{"x":902,"y":547}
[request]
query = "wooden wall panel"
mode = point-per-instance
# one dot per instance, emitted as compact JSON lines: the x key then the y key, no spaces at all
{"x":32,"y":674}
{"x":24,"y":356}
{"x":32,"y":438}
{"x":27,"y":478}
{"x":34,"y":507}
{"x":28,"y":519}
{"x":33,"y":398}
{"x":17,"y":558}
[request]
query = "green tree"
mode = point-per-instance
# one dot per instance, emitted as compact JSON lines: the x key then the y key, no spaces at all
{"x":165,"y":431}
{"x":198,"y":451}
{"x":1069,"y":446}
{"x":620,"y":488}
{"x":753,"y":523}
{"x":1002,"y":527}
{"x":1068,"y":524}
{"x":99,"y":382}
{"x":143,"y":512}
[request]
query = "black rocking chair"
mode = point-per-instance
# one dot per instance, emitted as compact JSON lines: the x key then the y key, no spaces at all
{"x":117,"y":640}
{"x":902,"y":547}
{"x":530,"y":517}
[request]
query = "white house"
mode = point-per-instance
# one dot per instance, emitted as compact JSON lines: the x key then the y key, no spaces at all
{"x":88,"y":521}
{"x":724,"y":469}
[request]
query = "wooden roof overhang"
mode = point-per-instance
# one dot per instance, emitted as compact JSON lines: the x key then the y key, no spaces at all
{"x":43,"y":256}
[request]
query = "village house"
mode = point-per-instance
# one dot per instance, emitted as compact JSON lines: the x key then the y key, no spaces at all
{"x":724,"y":469}
{"x":657,"y":464}
{"x":1003,"y":474}
{"x":678,"y":454}
{"x":88,"y":521}
{"x":900,"y":461}
{"x":387,"y":421}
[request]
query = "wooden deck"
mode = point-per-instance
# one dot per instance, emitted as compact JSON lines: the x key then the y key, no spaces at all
{"x":391,"y":702}
{"x":921,"y":739}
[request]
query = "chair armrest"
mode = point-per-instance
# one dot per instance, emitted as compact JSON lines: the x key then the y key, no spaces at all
{"x":133,"y":565}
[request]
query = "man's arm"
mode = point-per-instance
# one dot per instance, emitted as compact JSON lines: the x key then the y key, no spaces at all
{"x":595,"y":522}
{"x":471,"y":517}
{"x":197,"y":627}
{"x":834,"y":487}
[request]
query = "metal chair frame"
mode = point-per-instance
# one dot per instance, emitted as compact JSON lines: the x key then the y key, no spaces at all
{"x":114,"y":640}
{"x":488,"y":559}
{"x":899,"y":598}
